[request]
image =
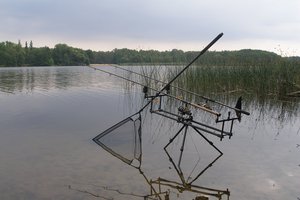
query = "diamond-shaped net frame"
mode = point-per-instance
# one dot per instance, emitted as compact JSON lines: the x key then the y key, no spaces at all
{"x":123,"y":140}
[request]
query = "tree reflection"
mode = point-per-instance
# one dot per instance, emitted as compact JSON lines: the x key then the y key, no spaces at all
{"x":31,"y":79}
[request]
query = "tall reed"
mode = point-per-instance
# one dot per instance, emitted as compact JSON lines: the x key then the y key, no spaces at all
{"x":281,"y":79}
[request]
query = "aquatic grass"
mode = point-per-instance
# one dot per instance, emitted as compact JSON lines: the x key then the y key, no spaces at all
{"x":274,"y":83}
{"x":267,"y":86}
{"x":223,"y":84}
{"x":278,"y":80}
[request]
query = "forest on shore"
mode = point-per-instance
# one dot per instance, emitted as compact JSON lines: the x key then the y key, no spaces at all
{"x":14,"y":54}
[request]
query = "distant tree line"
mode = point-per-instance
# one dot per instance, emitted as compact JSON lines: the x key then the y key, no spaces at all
{"x":244,"y":57}
{"x":12,"y":54}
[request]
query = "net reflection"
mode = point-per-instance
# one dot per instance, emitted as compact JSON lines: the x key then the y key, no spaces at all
{"x":124,"y":141}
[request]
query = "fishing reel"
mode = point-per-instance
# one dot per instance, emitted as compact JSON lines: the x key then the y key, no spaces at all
{"x":184,"y":114}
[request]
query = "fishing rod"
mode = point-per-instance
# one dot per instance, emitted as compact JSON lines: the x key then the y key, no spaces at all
{"x":121,"y":77}
{"x":172,"y":116}
{"x":185,"y":68}
{"x":167,"y":85}
{"x":184,"y":113}
{"x":196,"y":58}
{"x":182,"y":89}
{"x":161,"y":92}
{"x":145,"y":76}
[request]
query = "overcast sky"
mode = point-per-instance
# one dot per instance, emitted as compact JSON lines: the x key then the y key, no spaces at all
{"x":272,"y":25}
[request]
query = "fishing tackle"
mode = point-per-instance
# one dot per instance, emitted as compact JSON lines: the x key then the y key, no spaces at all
{"x":183,"y":115}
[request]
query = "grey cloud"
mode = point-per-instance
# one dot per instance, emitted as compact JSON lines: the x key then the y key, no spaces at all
{"x":155,"y":20}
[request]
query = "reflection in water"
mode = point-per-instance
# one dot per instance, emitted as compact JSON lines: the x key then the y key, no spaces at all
{"x":273,"y":116}
{"x":116,"y":139}
{"x":124,"y":141}
{"x":30,"y":79}
{"x":48,"y":116}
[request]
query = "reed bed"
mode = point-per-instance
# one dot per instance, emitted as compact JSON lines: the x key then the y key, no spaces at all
{"x":267,"y":87}
{"x":280,"y":80}
{"x":272,"y":90}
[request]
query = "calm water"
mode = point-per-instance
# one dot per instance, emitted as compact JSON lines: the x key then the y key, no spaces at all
{"x":49,"y":116}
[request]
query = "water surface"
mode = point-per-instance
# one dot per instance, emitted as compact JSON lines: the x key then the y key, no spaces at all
{"x":50,"y":114}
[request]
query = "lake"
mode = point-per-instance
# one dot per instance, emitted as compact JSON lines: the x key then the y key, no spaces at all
{"x":49,"y":116}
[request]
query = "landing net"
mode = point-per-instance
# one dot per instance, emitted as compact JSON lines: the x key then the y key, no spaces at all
{"x":123,"y":140}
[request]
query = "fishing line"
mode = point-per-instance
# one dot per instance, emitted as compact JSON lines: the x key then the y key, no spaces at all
{"x":178,"y":88}
{"x":124,"y":78}
{"x":199,"y":158}
{"x":160,"y":92}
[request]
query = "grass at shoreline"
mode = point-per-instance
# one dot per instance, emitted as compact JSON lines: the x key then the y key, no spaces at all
{"x":281,"y":80}
{"x":276,"y":80}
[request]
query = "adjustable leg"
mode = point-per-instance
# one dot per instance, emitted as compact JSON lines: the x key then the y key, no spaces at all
{"x":172,"y":139}
{"x":171,"y":160}
{"x":209,"y":142}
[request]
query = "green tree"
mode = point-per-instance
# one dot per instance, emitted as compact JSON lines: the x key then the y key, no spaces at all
{"x":41,"y":57}
{"x":20,"y":54}
{"x":11,"y":54}
{"x":65,"y":55}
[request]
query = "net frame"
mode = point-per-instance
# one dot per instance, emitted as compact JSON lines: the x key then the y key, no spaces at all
{"x":137,"y":149}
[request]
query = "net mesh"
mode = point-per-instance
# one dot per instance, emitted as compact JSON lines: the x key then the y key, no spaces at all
{"x":122,"y":140}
